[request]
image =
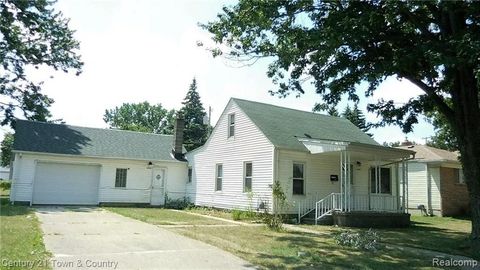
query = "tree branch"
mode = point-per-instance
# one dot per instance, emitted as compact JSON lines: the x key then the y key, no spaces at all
{"x":438,"y":100}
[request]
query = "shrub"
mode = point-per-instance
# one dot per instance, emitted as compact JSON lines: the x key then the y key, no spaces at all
{"x":364,"y":240}
{"x":180,"y":204}
{"x":5,"y":185}
{"x":275,"y":221}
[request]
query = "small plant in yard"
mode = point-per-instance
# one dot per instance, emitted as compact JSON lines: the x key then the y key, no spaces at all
{"x":363,"y":240}
{"x":5,"y":185}
{"x":274,"y":221}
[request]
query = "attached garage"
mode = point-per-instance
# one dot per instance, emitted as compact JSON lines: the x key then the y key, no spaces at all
{"x":63,"y":183}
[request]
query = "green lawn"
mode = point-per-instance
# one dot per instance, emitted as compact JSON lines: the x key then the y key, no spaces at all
{"x":160,"y":216}
{"x":443,"y":234}
{"x":287,"y":250}
{"x":20,"y":236}
{"x":244,"y":216}
{"x":281,"y":250}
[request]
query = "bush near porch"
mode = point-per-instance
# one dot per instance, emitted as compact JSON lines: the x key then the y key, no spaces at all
{"x":20,"y":236}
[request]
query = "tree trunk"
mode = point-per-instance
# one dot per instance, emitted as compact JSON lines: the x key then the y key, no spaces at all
{"x":471,"y":166}
{"x":467,"y":128}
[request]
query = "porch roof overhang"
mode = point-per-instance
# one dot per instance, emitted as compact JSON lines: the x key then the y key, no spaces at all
{"x":319,"y":146}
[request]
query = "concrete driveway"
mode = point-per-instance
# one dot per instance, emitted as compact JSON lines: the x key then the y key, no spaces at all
{"x":93,"y":238}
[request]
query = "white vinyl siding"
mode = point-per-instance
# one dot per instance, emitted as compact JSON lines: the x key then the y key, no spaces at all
{"x":417,"y":185}
{"x":249,"y":145}
{"x":136,"y":191}
{"x":434,"y":173}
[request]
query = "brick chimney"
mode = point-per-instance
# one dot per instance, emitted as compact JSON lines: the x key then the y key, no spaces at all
{"x":177,"y":148}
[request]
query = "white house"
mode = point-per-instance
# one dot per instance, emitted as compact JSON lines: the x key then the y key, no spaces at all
{"x":323,"y":163}
{"x":62,"y":164}
{"x":436,"y":182}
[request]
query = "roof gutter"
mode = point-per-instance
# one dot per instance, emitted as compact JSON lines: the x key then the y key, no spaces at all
{"x":86,"y":156}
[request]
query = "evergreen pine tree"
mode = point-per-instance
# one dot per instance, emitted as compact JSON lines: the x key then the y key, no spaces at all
{"x":196,"y":132}
{"x":333,"y":112}
{"x":357,"y":118}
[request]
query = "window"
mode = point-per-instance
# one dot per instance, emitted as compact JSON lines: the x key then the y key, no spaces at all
{"x":298,"y":178}
{"x":384,"y":183}
{"x":458,"y":176}
{"x":247,"y":181}
{"x":218,"y":177}
{"x":121,"y":178}
{"x":231,"y":125}
{"x":190,"y":172}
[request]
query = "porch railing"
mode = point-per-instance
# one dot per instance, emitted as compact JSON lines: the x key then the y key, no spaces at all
{"x":371,"y":202}
{"x":376,"y":202}
{"x":327,"y":205}
{"x":307,"y":205}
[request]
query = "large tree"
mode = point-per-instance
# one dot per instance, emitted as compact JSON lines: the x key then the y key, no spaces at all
{"x":142,"y":117}
{"x":6,"y":149}
{"x":32,"y":35}
{"x":196,"y":131}
{"x":339,"y":44}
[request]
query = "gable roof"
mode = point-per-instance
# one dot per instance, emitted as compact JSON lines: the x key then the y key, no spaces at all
{"x":51,"y":138}
{"x":283,"y":126}
{"x":428,"y":153}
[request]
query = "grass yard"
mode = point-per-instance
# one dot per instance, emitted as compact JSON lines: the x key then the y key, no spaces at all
{"x":20,"y":236}
{"x":443,"y":234}
{"x":161,"y":216}
{"x":287,"y":250}
{"x":238,"y":215}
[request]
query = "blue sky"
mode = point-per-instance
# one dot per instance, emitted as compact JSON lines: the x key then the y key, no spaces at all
{"x":146,"y":50}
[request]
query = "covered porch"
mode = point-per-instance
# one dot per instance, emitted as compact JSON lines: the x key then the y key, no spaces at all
{"x":372,"y":181}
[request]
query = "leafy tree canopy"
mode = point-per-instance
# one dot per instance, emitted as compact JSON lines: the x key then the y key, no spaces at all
{"x":444,"y":137}
{"x":32,"y":34}
{"x":142,"y":117}
{"x":196,"y":131}
{"x":6,"y":149}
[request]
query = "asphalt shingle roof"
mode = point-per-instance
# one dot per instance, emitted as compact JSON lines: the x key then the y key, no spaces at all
{"x":428,"y":153}
{"x":283,"y":126}
{"x":41,"y":137}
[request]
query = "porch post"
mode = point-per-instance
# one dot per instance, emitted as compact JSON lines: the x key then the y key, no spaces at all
{"x":348,"y":180}
{"x":406,"y":185}
{"x":403,"y":184}
{"x":341,"y":180}
{"x":397,"y":177}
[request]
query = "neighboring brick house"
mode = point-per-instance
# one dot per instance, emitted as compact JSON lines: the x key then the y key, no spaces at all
{"x":435,"y":181}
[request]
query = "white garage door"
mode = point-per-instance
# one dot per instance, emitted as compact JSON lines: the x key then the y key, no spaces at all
{"x":59,"y":183}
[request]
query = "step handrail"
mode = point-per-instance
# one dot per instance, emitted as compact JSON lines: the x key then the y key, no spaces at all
{"x":327,"y":205}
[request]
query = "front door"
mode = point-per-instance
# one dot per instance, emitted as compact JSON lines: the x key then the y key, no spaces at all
{"x":158,"y":186}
